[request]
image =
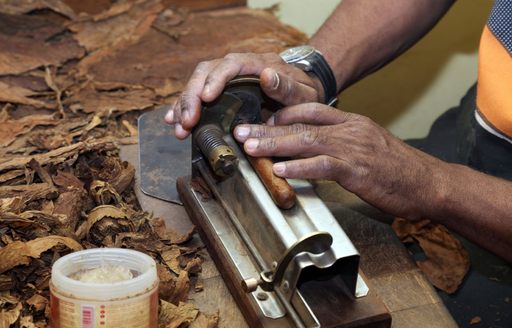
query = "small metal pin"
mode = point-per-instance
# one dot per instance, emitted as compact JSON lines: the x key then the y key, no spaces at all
{"x":262,"y":296}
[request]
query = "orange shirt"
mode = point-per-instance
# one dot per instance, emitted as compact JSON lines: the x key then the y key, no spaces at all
{"x":494,"y":89}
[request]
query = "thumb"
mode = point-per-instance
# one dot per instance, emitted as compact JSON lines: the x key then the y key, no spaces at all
{"x":285,"y":89}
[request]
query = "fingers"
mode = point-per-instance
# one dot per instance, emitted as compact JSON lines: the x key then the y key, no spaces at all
{"x":286,"y":89}
{"x":318,"y":167}
{"x":233,"y":65}
{"x":311,"y":113}
{"x":187,"y":107}
{"x":297,"y":140}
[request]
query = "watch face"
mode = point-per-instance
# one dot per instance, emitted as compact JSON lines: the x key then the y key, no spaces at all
{"x":296,"y":54}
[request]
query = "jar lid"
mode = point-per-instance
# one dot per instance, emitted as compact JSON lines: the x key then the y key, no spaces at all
{"x":141,"y":265}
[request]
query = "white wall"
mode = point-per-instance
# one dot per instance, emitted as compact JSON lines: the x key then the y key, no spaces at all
{"x":407,"y":95}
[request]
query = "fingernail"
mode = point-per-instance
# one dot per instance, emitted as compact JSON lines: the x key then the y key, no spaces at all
{"x":279,"y":168}
{"x":185,"y":116}
{"x":251,"y":144}
{"x":271,"y":120}
{"x":275,"y":81}
{"x":169,"y":117}
{"x":242,"y":132}
{"x":206,"y":90}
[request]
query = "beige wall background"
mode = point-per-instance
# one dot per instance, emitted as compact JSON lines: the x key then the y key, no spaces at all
{"x":407,"y":95}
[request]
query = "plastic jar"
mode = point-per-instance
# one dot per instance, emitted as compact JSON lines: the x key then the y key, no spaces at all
{"x":127,"y":303}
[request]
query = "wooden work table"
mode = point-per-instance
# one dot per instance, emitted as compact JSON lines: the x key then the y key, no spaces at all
{"x":390,"y":272}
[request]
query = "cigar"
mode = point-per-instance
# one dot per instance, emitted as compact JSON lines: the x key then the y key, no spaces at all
{"x":279,"y":189}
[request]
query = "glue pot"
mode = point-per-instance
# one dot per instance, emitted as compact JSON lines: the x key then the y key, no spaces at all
{"x":104,"y":288}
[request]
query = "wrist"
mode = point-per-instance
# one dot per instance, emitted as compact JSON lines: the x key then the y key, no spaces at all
{"x":312,"y":61}
{"x":439,"y":198}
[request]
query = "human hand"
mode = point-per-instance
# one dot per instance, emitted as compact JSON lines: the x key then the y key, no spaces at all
{"x":361,"y":156}
{"x":284,"y":83}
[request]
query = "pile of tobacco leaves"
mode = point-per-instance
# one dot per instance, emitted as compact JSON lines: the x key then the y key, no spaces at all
{"x":74,"y":77}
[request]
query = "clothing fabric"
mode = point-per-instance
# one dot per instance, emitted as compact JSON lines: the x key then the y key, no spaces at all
{"x":494,"y":95}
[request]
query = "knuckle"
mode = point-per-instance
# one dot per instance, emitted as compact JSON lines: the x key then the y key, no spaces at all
{"x":270,"y":144}
{"x":327,"y":163}
{"x":297,"y":128}
{"x":184,"y":101}
{"x":203,"y":66}
{"x":272,"y":57}
{"x":258,"y":131}
{"x":310,"y":137}
{"x":286,"y":89}
{"x":232,"y":56}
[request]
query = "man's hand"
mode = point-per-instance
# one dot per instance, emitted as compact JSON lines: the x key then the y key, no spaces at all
{"x":282,"y":82}
{"x":351,"y":149}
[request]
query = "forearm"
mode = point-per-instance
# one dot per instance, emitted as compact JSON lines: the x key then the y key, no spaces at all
{"x":475,"y":205}
{"x":363,"y":35}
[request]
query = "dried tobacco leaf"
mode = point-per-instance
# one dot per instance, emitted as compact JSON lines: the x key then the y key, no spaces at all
{"x":38,"y":302}
{"x":169,"y":234}
{"x":172,"y":316}
{"x":205,"y":321}
{"x":124,"y":22}
{"x":19,"y":95}
{"x":106,"y":220}
{"x":90,"y":100}
{"x":18,"y":54}
{"x":59,"y":155}
{"x":11,"y":129}
{"x":14,"y":7}
{"x":170,"y":257}
{"x":447,"y":261}
{"x":8,"y":317}
{"x":29,"y":192}
{"x":20,"y":253}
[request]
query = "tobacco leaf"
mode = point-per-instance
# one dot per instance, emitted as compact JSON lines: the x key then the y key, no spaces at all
{"x":29,"y":192}
{"x":6,"y":283}
{"x":169,"y":234}
{"x":115,"y":220}
{"x":38,"y":302}
{"x":19,"y":95}
{"x":209,"y":35}
{"x":173,"y":316}
{"x":90,"y":100}
{"x":10,"y":129}
{"x":170,"y":257}
{"x":37,"y":27}
{"x":205,"y":321}
{"x":124,"y":21}
{"x":8,"y":317}
{"x":11,"y":204}
{"x":112,"y":30}
{"x":194,"y":266}
{"x":70,"y":205}
{"x":21,"y":54}
{"x":7,"y":298}
{"x":59,"y":155}
{"x":447,"y":261}
{"x":88,"y":7}
{"x":182,"y":286}
{"x":19,"y":253}
{"x":14,"y":7}
{"x":66,"y":181}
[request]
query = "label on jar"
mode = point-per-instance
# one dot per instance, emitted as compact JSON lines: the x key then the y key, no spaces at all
{"x":137,"y":312}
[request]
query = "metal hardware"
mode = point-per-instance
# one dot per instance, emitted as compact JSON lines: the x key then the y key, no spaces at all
{"x":273,"y":250}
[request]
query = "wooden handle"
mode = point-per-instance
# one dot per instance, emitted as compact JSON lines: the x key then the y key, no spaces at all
{"x":280,"y":190}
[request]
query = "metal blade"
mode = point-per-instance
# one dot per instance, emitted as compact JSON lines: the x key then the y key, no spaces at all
{"x":163,"y":158}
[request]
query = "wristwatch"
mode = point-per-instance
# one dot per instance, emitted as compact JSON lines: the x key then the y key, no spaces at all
{"x":312,"y":61}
